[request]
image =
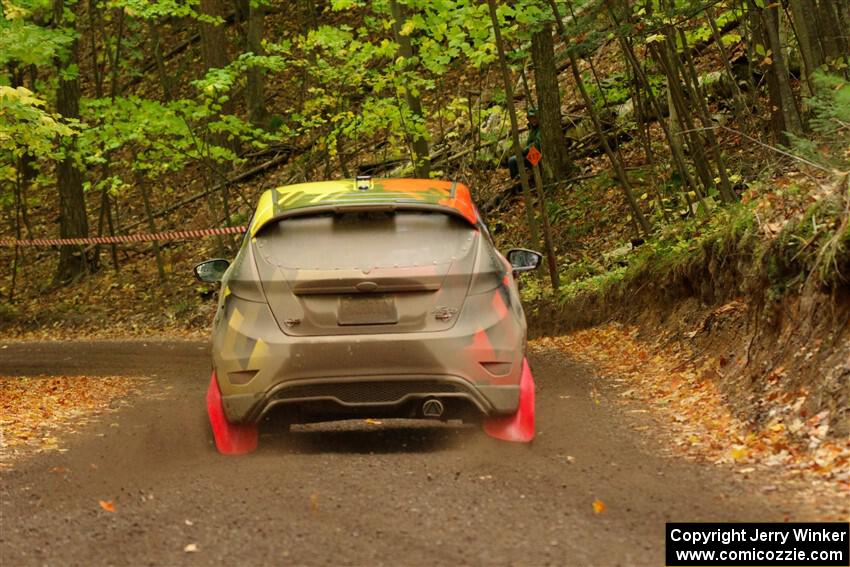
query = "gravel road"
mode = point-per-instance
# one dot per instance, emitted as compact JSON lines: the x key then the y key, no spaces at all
{"x":349,"y":493}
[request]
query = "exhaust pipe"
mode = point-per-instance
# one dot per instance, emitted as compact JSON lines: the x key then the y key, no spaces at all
{"x":433,"y":408}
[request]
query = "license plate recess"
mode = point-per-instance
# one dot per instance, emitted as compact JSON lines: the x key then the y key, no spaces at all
{"x":367,"y":309}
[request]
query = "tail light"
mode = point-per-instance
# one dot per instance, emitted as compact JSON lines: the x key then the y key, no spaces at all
{"x":490,"y":270}
{"x":244,"y":280}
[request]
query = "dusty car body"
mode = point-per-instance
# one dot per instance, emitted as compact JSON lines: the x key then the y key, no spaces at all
{"x":368,"y":298}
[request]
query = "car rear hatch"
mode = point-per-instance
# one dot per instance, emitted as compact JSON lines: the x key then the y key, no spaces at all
{"x":365,"y":272}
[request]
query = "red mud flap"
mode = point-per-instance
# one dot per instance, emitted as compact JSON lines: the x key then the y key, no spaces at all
{"x":230,"y":439}
{"x":518,"y":427}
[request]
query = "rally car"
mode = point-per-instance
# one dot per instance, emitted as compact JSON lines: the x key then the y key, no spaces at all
{"x":368,"y":298}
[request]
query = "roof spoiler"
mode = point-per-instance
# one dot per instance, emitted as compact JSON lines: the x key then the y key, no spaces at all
{"x":337,"y":208}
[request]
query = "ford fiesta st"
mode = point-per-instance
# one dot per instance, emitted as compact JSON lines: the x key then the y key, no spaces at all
{"x":368,"y":298}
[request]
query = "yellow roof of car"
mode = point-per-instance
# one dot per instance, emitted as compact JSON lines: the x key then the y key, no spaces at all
{"x":281,"y":201}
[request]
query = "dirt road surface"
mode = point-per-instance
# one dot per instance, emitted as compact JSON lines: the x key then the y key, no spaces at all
{"x":353,"y":493}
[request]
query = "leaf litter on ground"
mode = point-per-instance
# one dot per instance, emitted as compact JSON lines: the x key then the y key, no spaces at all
{"x":679,"y":390}
{"x":36,"y":412}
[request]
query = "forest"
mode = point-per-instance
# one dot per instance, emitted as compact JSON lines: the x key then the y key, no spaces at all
{"x":122,"y":117}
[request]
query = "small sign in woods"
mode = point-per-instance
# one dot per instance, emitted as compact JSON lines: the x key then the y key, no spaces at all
{"x":534,"y":156}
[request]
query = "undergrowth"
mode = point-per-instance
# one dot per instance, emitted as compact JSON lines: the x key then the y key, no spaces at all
{"x":787,"y":235}
{"x":735,"y":251}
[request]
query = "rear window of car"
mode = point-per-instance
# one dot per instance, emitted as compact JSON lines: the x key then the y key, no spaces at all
{"x":362,"y":240}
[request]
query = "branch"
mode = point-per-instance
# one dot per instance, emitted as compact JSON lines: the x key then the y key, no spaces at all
{"x":277,"y":160}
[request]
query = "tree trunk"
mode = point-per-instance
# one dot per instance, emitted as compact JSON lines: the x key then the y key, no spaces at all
{"x":115,"y":59}
{"x":677,"y":147}
{"x":805,"y":15}
{"x":669,"y":61}
{"x":803,"y":29}
{"x":241,"y":15}
{"x":645,"y":140}
{"x":26,"y":173}
{"x":214,"y":56}
{"x":619,"y":169}
{"x":419,"y":142}
{"x":73,"y":222}
{"x":517,"y":148}
{"x":142,"y":183}
{"x":548,"y":243}
{"x":786,"y":115}
{"x":833,"y":38}
{"x":697,"y":94}
{"x":156,"y":45}
{"x":97,"y":69}
{"x":638,"y":217}
{"x":556,"y":163}
{"x":676,"y":152}
{"x":842,"y":13}
{"x":741,"y":110}
{"x":17,"y":229}
{"x":25,"y":170}
{"x":255,"y":97}
{"x":790,"y":112}
{"x":213,"y":38}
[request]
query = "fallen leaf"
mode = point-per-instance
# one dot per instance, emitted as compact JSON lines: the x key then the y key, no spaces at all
{"x":739,"y":452}
{"x":106,"y":505}
{"x":598,"y":506}
{"x":191,"y":548}
{"x":373,"y":421}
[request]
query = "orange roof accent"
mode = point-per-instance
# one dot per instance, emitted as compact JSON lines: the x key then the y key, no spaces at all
{"x":458,"y":196}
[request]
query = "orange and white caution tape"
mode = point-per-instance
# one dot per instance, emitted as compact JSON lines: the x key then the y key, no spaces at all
{"x":174,"y":235}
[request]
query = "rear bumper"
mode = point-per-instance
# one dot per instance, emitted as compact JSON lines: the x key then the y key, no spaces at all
{"x":260,"y":368}
{"x":374,"y":396}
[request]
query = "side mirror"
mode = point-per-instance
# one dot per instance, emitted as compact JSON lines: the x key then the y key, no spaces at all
{"x":523,"y":260}
{"x":211,"y":271}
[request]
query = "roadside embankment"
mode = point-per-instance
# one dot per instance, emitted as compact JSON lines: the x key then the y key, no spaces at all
{"x":759,"y":296}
